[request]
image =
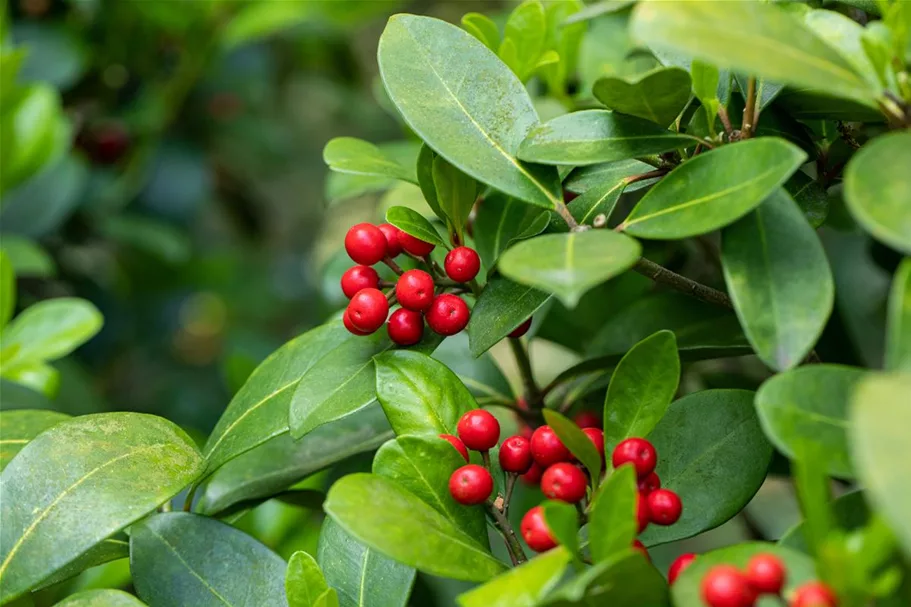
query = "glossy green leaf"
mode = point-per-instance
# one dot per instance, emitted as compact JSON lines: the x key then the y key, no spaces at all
{"x":752,"y":37}
{"x":253,"y":22}
{"x":713,"y":189}
{"x":641,"y":388}
{"x":705,"y":79}
{"x":713,"y":455}
{"x":810,"y":404}
{"x":396,"y":518}
{"x":37,"y":376}
{"x":423,"y":465}
{"x":576,"y":441}
{"x":811,"y":197}
{"x":627,"y":579}
{"x":593,"y":136}
{"x":327,"y":599}
{"x":350,"y":155}
{"x":596,"y":9}
{"x":522,"y":586}
{"x":568,"y":265}
{"x":562,"y":521}
{"x":483,"y":28}
{"x":880,"y":449}
{"x":19,"y":427}
{"x":104,"y":597}
{"x":172,"y":559}
{"x":779,"y":280}
{"x":7,"y":289}
{"x":659,"y":95}
{"x":766,"y":92}
{"x":843,"y":34}
{"x":877,"y":195}
{"x":502,"y":306}
{"x":612,"y":525}
{"x":606,"y":175}
{"x":481,"y":375}
{"x":362,"y":576}
{"x":118,"y":466}
{"x":425,"y":162}
{"x":304,"y":581}
{"x":50,"y":329}
{"x":850,"y":511}
{"x":113,"y":548}
{"x":474,"y":112}
{"x":343,"y":186}
{"x":898,"y":339}
{"x":500,"y":221}
{"x":412,"y":222}
{"x":808,"y":469}
{"x":523,"y":38}
{"x":456,"y":194}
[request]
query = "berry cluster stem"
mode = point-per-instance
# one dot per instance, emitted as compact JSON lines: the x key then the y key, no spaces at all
{"x":532,"y":392}
{"x":393,"y":266}
{"x":516,"y":554}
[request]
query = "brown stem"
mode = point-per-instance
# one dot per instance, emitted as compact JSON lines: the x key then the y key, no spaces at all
{"x":649,"y":175}
{"x":680,"y":283}
{"x":725,"y":120}
{"x":510,"y":485}
{"x":532,"y":393}
{"x":512,"y":542}
{"x":749,"y":112}
{"x":393,"y":266}
{"x":567,"y":216}
{"x":485,"y":457}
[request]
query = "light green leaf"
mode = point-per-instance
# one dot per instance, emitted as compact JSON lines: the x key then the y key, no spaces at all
{"x":483,"y":28}
{"x":568,"y":265}
{"x":396,"y":518}
{"x":597,"y":200}
{"x":596,"y":9}
{"x":627,"y":579}
{"x":522,"y":586}
{"x":501,"y":221}
{"x":586,"y":178}
{"x":36,"y":376}
{"x":304,"y":581}
{"x":350,"y":155}
{"x":898,"y":337}
{"x":659,"y":95}
{"x":327,"y":599}
{"x":474,"y":112}
{"x":412,"y":222}
{"x":481,"y":375}
{"x":425,"y":162}
{"x":612,"y":524}
{"x":260,"y":20}
{"x":576,"y":441}
{"x":456,"y":194}
{"x":808,"y":469}
{"x":7,"y":289}
{"x":713,"y":189}
{"x":705,"y":86}
{"x":127,"y":462}
{"x":850,"y":510}
{"x":105,"y":597}
{"x":779,"y":280}
{"x":844,"y":35}
{"x":502,"y":306}
{"x":562,"y":521}
{"x":877,"y":195}
{"x":19,"y":427}
{"x":593,"y":136}
{"x":524,"y":35}
{"x":342,"y":186}
{"x":50,"y":329}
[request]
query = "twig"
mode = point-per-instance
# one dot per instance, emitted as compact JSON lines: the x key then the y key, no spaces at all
{"x":532,"y":393}
{"x":512,"y":542}
{"x":725,"y":120}
{"x":680,"y":283}
{"x":393,"y":266}
{"x":649,"y":175}
{"x":749,"y":110}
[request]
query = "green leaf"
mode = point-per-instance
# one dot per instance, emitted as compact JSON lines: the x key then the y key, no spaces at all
{"x":423,"y":465}
{"x":419,"y":394}
{"x":713,"y":189}
{"x":810,"y":404}
{"x":596,"y":9}
{"x":481,"y":375}
{"x":328,"y":599}
{"x":522,"y":586}
{"x":37,"y":376}
{"x":483,"y":28}
{"x":502,"y":306}
{"x":562,"y":521}
{"x":129,"y":462}
{"x":412,"y":222}
{"x":253,"y":22}
{"x":474,"y":112}
{"x":713,"y":455}
{"x":523,"y":38}
{"x":877,"y":195}
{"x":172,"y":558}
{"x":627,"y":579}
{"x":811,"y":197}
{"x":456,"y":194}
{"x":583,"y":179}
{"x":568,"y":265}
{"x":113,"y":548}
{"x":576,"y":441}
{"x":396,"y":519}
{"x":350,"y":155}
{"x":597,"y":200}
{"x":7,"y":289}
{"x":342,"y":186}
{"x":593,"y":136}
{"x":779,"y":280}
{"x":19,"y":427}
{"x":880,"y":449}
{"x":706,"y":78}
{"x":50,"y":329}
{"x":766,"y":92}
{"x":612,"y":525}
{"x":500,"y":221}
{"x":843,"y":34}
{"x":850,"y":510}
{"x":362,"y":576}
{"x":105,"y":597}
{"x":304,"y":581}
{"x":898,"y":338}
{"x":659,"y":95}
{"x":752,"y":37}
{"x":808,"y":470}
{"x":641,"y":388}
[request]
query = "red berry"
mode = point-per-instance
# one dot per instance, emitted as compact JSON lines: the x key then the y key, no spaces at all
{"x":455,"y":442}
{"x":766,"y":573}
{"x":814,"y":594}
{"x":563,"y":481}
{"x":365,"y":244}
{"x":547,"y":448}
{"x":414,"y":290}
{"x":664,"y":506}
{"x":597,"y":438}
{"x":346,"y":320}
{"x":405,"y":327}
{"x":471,"y":484}
{"x":726,"y":586}
{"x":515,"y":455}
{"x":649,"y":484}
{"x":533,"y":476}
{"x":393,"y":245}
{"x":640,"y":547}
{"x":642,"y":514}
{"x":462,"y":264}
{"x":414,"y":245}
{"x":111,"y":142}
{"x":448,"y":314}
{"x":638,"y":451}
{"x":368,"y":309}
{"x":587,"y":419}
{"x":479,"y":430}
{"x":535,"y":532}
{"x":683,"y":561}
{"x":356,"y":278}
{"x":521,"y":329}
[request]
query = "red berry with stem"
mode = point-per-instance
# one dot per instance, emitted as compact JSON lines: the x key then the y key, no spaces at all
{"x":521,"y":329}
{"x":814,"y":594}
{"x":565,"y":482}
{"x":365,"y":244}
{"x":393,"y":245}
{"x":455,"y":442}
{"x":677,"y":567}
{"x":533,"y":476}
{"x":649,"y":484}
{"x":414,"y":290}
{"x":726,"y":586}
{"x":462,"y":264}
{"x":640,"y":547}
{"x":405,"y":327}
{"x":368,"y":309}
{"x":664,"y":506}
{"x":643,"y":517}
{"x":448,"y":314}
{"x":587,"y":419}
{"x":547,"y":448}
{"x":766,"y":574}
{"x":346,"y":320}
{"x":471,"y":484}
{"x":535,"y":532}
{"x":479,"y":430}
{"x":413,"y":245}
{"x":515,"y":455}
{"x":356,"y":278}
{"x":596,"y":436}
{"x":638,"y":451}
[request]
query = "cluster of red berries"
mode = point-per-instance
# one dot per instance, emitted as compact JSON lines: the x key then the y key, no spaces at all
{"x":653,"y":504}
{"x":415,"y":290}
{"x":728,"y":586}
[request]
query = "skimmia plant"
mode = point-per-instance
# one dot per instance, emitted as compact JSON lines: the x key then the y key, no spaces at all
{"x":535,"y":198}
